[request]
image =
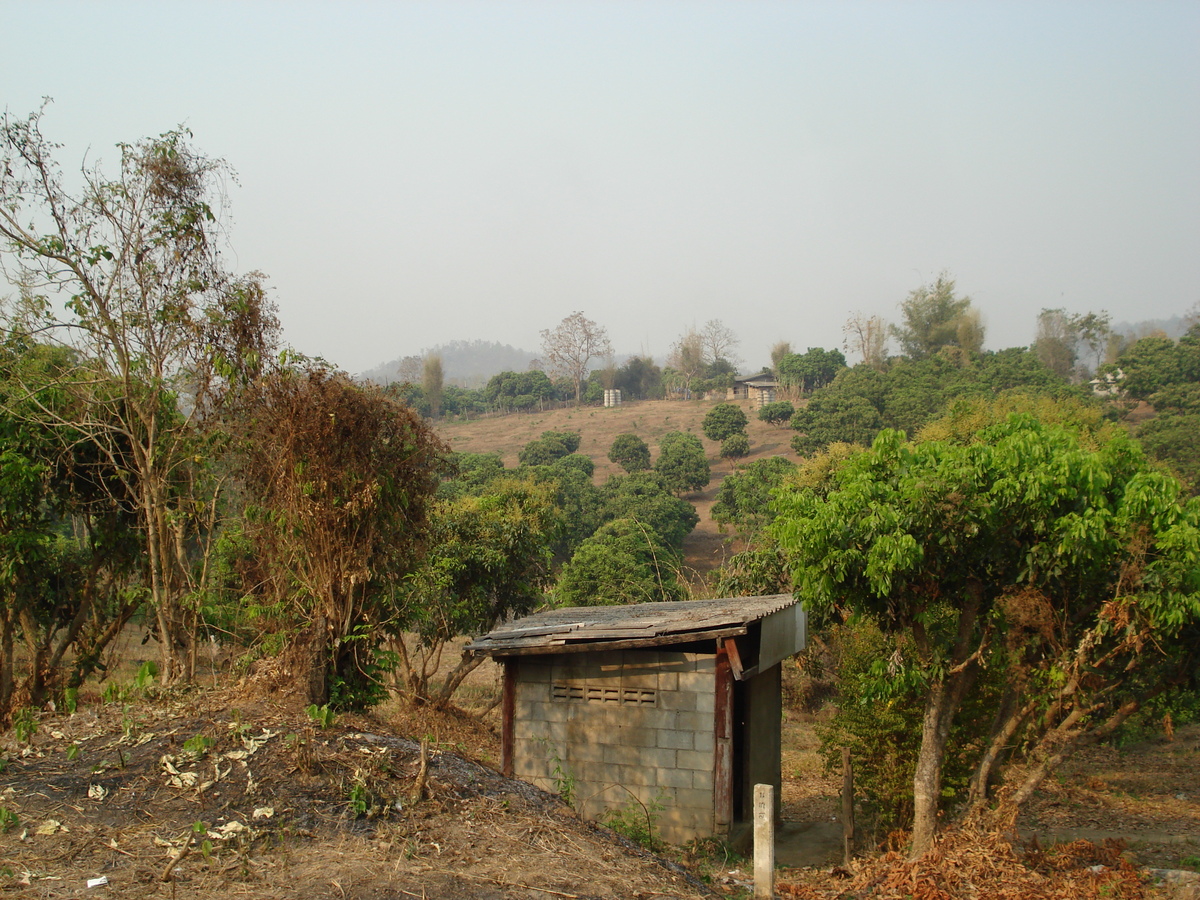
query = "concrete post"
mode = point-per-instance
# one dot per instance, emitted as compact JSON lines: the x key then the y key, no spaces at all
{"x":764,"y":841}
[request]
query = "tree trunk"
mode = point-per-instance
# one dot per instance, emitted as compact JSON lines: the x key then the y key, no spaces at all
{"x":927,"y":780}
{"x":466,"y":665}
{"x":1008,"y":722}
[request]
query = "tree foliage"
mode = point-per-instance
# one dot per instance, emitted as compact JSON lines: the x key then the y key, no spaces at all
{"x":724,"y":420}
{"x":744,"y":498}
{"x":126,"y":272}
{"x":803,"y":373}
{"x":933,"y":317}
{"x":975,"y":547}
{"x":489,"y":559}
{"x":681,"y":462}
{"x":735,"y":446}
{"x":551,"y":446}
{"x":623,"y":562}
{"x":630,"y":452}
{"x":645,"y":499}
{"x":777,"y":413}
{"x":519,"y":390}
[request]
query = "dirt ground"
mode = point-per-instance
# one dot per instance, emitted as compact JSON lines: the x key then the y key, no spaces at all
{"x":706,"y":547}
{"x":217,"y":794}
{"x":240,"y":792}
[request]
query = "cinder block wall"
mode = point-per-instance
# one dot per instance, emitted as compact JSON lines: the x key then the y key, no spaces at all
{"x":621,"y":722}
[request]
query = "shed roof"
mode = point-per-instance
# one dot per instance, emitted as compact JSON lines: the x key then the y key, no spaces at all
{"x":638,"y":625}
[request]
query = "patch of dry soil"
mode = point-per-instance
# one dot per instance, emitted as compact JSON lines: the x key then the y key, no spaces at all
{"x":204,"y":798}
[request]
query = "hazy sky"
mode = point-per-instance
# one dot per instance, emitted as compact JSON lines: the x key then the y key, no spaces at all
{"x":415,"y":173}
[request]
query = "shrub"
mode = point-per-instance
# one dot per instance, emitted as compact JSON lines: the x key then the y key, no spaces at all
{"x":551,"y":446}
{"x":735,"y":446}
{"x":630,"y":453}
{"x":682,"y":464}
{"x":724,"y":420}
{"x":778,"y":413}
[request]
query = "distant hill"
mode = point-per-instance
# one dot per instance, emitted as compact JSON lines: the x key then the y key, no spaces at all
{"x":465,"y":363}
{"x":1174,"y":327}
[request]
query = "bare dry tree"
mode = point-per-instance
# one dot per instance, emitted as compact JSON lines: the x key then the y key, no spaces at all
{"x":571,"y":345}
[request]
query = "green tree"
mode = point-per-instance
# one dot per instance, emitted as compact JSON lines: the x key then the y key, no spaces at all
{"x":809,"y":371}
{"x":932,"y":317}
{"x":645,"y":499}
{"x":744,"y":498}
{"x":127,"y":273}
{"x":630,"y":453}
{"x":639,"y":379}
{"x":1151,"y":364}
{"x":489,"y":560}
{"x":723,"y":420}
{"x":551,"y":446}
{"x":777,"y":413}
{"x":623,"y":562}
{"x":975,"y":548}
{"x":681,"y":463}
{"x":518,"y":390}
{"x":735,"y":446}
{"x":829,"y":419}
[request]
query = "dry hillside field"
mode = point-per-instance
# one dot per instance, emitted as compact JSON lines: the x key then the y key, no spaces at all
{"x":706,"y":547}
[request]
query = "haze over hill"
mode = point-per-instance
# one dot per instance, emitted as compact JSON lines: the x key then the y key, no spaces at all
{"x":465,"y":363}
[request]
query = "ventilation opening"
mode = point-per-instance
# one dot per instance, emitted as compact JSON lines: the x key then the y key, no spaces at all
{"x":615,"y":696}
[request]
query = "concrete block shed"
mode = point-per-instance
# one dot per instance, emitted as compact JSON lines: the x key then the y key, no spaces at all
{"x":676,"y":704}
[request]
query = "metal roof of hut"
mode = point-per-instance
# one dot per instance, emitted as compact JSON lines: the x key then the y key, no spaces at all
{"x":629,"y":627}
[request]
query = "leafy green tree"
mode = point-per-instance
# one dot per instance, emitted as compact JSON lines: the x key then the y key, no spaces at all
{"x":723,"y":420}
{"x":623,"y":562}
{"x":735,"y":446}
{"x":975,"y":548}
{"x":578,"y":502}
{"x":630,"y":453}
{"x":551,"y":446}
{"x":68,"y":548}
{"x":644,"y":498}
{"x":470,"y":473}
{"x":489,"y":559}
{"x":744,"y":498}
{"x":1151,"y":364}
{"x":834,"y":419}
{"x":518,"y":390}
{"x":681,"y":463}
{"x":777,"y":413}
{"x":809,"y":371}
{"x":933,"y":317}
{"x":639,"y":379}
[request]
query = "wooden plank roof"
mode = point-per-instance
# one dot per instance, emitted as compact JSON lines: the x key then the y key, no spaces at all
{"x":638,"y":625}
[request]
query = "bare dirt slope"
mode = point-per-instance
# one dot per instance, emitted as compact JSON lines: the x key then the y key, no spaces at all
{"x":706,"y":547}
{"x":217,"y":795}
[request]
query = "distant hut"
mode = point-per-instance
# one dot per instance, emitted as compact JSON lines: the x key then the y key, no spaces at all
{"x":759,"y":389}
{"x":678,"y":705}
